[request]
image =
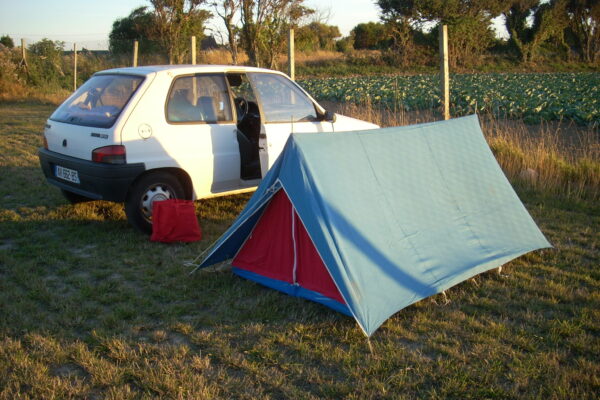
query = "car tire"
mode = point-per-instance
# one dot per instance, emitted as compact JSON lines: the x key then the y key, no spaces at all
{"x":74,"y":198}
{"x":150,"y":188}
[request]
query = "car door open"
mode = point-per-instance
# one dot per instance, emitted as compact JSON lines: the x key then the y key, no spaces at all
{"x":285,"y":109}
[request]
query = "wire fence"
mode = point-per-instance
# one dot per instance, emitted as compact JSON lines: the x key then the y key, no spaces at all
{"x":53,"y":65}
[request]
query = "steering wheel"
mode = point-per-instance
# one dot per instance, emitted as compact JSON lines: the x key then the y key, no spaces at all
{"x":241,"y":107}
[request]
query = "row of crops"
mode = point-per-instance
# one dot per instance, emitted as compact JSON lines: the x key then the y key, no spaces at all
{"x":533,"y":97}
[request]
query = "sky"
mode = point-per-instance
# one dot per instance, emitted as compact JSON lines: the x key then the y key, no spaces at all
{"x":88,"y":22}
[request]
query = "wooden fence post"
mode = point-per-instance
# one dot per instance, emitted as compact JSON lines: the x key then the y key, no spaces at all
{"x":291,"y":58}
{"x":193,"y":44}
{"x":23,"y":62}
{"x":74,"y":66}
{"x":194,"y":80}
{"x":135,"y":53}
{"x":444,"y":72}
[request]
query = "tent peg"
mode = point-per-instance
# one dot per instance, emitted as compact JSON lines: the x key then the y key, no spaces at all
{"x":446,"y":298}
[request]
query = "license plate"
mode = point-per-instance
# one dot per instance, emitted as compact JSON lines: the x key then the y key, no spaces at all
{"x":67,"y":174}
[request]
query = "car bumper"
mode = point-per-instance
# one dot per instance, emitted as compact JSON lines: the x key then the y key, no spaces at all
{"x":96,"y":181}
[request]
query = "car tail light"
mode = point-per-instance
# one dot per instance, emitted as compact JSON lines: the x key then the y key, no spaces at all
{"x":109,"y":154}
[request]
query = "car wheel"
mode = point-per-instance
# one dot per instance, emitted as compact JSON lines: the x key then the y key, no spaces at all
{"x":74,"y":198}
{"x":154,"y":187}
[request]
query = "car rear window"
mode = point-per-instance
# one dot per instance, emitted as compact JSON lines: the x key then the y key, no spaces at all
{"x":99,"y":101}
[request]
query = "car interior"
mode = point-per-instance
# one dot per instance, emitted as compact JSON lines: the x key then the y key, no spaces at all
{"x":194,"y":99}
{"x":248,"y":127}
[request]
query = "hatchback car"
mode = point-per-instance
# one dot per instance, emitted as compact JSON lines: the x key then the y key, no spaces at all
{"x":144,"y":134}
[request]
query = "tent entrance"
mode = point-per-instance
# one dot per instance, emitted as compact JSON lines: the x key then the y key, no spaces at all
{"x":280,"y":254}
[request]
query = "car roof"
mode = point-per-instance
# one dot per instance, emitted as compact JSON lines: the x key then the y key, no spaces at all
{"x":183,"y":69}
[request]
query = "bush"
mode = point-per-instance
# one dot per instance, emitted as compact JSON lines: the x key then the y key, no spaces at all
{"x":7,"y":41}
{"x":11,"y":83}
{"x":46,"y":64}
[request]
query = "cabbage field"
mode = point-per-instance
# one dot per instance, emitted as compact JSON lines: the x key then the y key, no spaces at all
{"x":533,"y":97}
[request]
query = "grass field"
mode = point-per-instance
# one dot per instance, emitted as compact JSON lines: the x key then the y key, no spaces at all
{"x":90,"y":309}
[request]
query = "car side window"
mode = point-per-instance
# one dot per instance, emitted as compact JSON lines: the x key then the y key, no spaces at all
{"x":281,"y":99}
{"x":199,"y":98}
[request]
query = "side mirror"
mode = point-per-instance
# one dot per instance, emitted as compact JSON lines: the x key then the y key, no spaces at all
{"x":329,"y":116}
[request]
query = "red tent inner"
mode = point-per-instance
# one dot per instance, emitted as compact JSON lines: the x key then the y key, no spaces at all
{"x":279,"y":248}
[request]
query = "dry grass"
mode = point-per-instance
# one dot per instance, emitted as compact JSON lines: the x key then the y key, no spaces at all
{"x":223,"y":57}
{"x":220,"y":57}
{"x":15,"y":91}
{"x":556,"y":157}
{"x":91,"y":310}
{"x":317,"y":57}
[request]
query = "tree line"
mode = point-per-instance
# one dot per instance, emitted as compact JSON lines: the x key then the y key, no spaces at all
{"x":570,"y":29}
{"x":257,"y":27}
{"x":538,"y":30}
{"x":567,"y":30}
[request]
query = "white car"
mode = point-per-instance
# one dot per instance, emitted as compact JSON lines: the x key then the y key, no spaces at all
{"x":138,"y":135}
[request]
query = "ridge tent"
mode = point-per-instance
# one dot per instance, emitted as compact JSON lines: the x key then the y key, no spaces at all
{"x":369,"y":222}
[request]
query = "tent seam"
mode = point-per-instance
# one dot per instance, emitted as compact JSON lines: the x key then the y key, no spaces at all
{"x":325,"y":265}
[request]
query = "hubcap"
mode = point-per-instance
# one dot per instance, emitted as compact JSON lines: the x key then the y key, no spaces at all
{"x":154,"y":193}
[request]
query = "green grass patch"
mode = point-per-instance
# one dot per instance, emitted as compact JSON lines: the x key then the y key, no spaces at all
{"x":91,"y":309}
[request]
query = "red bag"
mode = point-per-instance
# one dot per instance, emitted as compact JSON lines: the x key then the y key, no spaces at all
{"x":174,"y":220}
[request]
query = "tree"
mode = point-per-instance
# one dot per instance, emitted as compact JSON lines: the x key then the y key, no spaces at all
{"x":345,"y":44}
{"x":259,"y":26}
{"x":370,"y":35}
{"x":226,"y":10}
{"x":584,"y":22}
{"x":468,"y":23}
{"x":7,"y":41}
{"x":136,"y":26}
{"x":549,"y":21}
{"x":48,"y":49}
{"x":174,"y":22}
{"x":317,"y":36}
{"x":45,"y":67}
{"x":264,"y":25}
{"x":166,"y":27}
{"x":407,"y":44}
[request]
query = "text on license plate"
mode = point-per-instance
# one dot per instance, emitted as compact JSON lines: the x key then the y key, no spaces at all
{"x":67,"y":174}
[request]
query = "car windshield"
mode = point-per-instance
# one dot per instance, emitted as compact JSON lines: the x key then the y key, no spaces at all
{"x":99,"y":101}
